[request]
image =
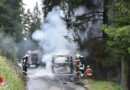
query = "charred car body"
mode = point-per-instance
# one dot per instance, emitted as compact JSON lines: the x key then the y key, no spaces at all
{"x":34,"y":58}
{"x":62,"y":64}
{"x":63,"y":68}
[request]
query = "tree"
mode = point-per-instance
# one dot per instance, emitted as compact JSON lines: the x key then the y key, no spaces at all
{"x":27,"y":20}
{"x":10,"y":18}
{"x":31,"y":21}
{"x":119,"y":35}
{"x":48,"y":5}
{"x":10,"y":26}
{"x":36,"y":19}
{"x":78,"y":25}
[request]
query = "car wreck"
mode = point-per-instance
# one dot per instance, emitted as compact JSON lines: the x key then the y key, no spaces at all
{"x":62,"y":64}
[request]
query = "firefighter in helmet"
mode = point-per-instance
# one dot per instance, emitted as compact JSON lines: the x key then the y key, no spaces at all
{"x":89,"y":72}
{"x":81,"y":64}
{"x":25,"y":64}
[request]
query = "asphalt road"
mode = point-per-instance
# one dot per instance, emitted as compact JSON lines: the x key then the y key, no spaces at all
{"x":40,"y":79}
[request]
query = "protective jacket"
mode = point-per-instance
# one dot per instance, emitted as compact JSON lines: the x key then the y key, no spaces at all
{"x":25,"y":65}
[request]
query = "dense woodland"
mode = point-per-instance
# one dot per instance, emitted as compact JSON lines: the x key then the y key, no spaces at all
{"x":16,"y":27}
{"x":109,"y":56}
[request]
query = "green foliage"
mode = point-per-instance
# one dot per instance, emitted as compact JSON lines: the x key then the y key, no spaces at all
{"x":10,"y":18}
{"x":36,"y":19}
{"x":119,"y":33}
{"x":27,"y":19}
{"x":129,"y":50}
{"x":12,"y":80}
{"x":119,"y":37}
{"x":121,"y":13}
{"x":31,"y":21}
{"x":104,"y":85}
{"x":10,"y":27}
{"x":118,"y":41}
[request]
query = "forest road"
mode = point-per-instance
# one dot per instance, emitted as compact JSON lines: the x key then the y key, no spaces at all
{"x":49,"y":82}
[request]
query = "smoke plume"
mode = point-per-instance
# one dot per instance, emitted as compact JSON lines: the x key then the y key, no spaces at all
{"x":52,"y":37}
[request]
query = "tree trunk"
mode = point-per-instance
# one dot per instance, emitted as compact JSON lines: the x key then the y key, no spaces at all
{"x":124,"y":76}
{"x":128,"y":83}
{"x":105,"y":17}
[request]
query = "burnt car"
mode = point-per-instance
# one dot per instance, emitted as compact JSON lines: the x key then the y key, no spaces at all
{"x":62,"y":64}
{"x":34,"y":58}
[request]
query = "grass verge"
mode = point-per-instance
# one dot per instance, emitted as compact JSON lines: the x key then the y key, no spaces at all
{"x":103,"y":85}
{"x":10,"y":77}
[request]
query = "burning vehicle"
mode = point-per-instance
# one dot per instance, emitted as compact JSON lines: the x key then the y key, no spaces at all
{"x":62,"y":64}
{"x":34,"y":58}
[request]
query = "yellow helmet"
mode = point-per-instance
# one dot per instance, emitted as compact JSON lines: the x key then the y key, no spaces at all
{"x":78,"y":55}
{"x":26,"y":55}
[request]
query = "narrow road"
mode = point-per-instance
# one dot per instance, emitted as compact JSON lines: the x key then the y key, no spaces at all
{"x":40,"y":79}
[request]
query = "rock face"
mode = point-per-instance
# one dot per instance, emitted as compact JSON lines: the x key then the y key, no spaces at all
{"x":84,"y":25}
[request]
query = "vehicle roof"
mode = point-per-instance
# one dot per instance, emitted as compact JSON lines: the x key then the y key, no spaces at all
{"x":55,"y":56}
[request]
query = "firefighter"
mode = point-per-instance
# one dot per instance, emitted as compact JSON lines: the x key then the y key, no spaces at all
{"x":77,"y":65}
{"x":81,"y":64}
{"x":88,"y":72}
{"x":25,"y":64}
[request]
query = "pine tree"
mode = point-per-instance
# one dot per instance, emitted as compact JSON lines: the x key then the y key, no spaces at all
{"x":119,"y":35}
{"x":10,"y":18}
{"x":27,"y":20}
{"x":31,"y":21}
{"x":36,"y":19}
{"x":10,"y":26}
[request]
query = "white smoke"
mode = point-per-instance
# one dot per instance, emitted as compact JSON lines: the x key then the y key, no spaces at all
{"x":80,"y":11}
{"x":52,"y":37}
